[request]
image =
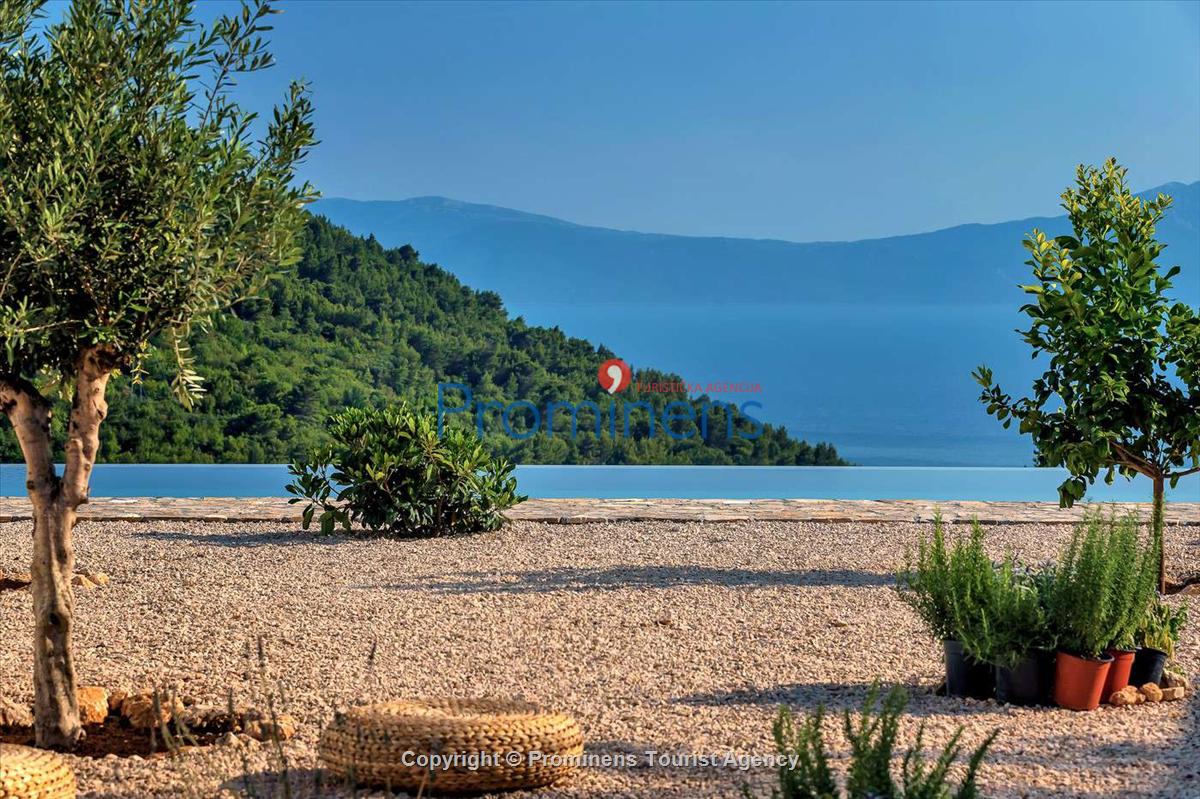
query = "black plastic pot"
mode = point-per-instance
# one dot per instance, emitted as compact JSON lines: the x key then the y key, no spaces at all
{"x":1047,"y":667}
{"x":1147,"y":666}
{"x":1022,"y":685}
{"x":965,"y":676}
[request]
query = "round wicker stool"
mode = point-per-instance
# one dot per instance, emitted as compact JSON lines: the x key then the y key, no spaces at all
{"x":511,"y":745}
{"x":28,"y":773}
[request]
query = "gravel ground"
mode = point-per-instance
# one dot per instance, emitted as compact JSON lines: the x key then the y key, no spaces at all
{"x":674,"y":637}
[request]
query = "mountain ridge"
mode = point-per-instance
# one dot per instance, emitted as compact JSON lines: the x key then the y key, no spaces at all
{"x":1173,"y":187}
{"x":538,"y":259}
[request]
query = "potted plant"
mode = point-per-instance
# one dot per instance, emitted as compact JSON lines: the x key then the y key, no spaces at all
{"x":1097,"y":585}
{"x":1156,"y":638}
{"x":1009,"y":631}
{"x":1133,"y":599}
{"x":943,"y":584}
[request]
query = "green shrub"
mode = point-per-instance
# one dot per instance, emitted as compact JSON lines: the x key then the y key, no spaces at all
{"x":924,"y":584}
{"x":1161,"y":627}
{"x":806,"y":773}
{"x":1008,"y":621}
{"x":389,"y":471}
{"x":948,"y":582}
{"x":1103,"y":586}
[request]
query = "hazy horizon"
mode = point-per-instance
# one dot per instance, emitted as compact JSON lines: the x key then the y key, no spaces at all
{"x":799,"y":122}
{"x":557,"y":218}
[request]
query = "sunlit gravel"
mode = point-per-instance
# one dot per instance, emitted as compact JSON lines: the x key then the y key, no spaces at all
{"x":666,"y":637}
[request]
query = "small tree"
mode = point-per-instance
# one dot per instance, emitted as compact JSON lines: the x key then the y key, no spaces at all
{"x":1121,"y":392}
{"x":134,"y":203}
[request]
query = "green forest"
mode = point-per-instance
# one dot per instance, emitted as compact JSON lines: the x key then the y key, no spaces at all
{"x":359,"y":325}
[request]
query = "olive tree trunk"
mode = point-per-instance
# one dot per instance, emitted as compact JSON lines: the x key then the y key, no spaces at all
{"x":1156,"y":525}
{"x":56,"y":710}
{"x":54,"y":501}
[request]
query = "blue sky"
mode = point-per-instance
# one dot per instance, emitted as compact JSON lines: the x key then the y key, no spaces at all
{"x":797,"y":121}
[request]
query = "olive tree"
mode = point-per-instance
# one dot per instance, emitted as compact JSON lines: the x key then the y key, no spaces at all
{"x":136,"y":199}
{"x":1121,"y":391}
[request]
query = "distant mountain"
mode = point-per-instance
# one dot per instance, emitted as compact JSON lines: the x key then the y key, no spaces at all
{"x":540,"y":259}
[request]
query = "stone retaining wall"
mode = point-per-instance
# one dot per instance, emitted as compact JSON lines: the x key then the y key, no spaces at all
{"x":578,"y":511}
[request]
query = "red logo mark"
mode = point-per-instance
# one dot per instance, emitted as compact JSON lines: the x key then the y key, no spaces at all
{"x":614,"y":375}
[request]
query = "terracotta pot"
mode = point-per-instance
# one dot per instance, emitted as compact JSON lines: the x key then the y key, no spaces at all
{"x":1079,"y":682}
{"x":1118,"y":672}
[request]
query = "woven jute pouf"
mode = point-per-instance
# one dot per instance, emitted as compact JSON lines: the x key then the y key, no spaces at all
{"x":511,"y":745}
{"x":28,"y":773}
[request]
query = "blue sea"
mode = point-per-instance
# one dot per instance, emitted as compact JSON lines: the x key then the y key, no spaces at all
{"x":887,"y":385}
{"x":690,"y":482}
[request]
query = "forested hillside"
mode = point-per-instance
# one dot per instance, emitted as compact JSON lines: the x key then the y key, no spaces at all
{"x":356,"y":324}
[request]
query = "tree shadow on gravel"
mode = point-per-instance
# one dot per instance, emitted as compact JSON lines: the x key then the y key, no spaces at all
{"x":835,"y":697}
{"x":1088,"y":759}
{"x":243,"y":540}
{"x":297,"y":783}
{"x":619,"y":577}
{"x":1178,"y":758}
{"x":1187,"y":769}
{"x":1034,"y":752}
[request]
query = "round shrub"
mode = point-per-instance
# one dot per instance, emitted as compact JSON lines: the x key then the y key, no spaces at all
{"x":388,"y":470}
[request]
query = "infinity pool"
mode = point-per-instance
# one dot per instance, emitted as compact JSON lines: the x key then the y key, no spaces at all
{"x":687,"y":482}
